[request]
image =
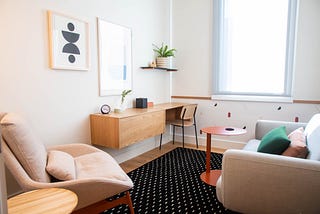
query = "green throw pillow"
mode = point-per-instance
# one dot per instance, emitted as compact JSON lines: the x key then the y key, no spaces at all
{"x":275,"y":141}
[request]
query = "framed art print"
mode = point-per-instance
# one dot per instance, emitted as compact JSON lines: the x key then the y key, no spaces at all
{"x":68,"y":42}
{"x":115,"y":69}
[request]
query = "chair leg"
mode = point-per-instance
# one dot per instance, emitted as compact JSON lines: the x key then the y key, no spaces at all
{"x":174,"y":128}
{"x":160,"y":141}
{"x":182,"y":136}
{"x":195,"y":131}
{"x":129,"y":202}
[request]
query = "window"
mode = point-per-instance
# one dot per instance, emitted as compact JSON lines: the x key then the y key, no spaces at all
{"x":254,"y":49}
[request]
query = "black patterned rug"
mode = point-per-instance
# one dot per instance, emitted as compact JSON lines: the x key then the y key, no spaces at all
{"x":171,"y":184}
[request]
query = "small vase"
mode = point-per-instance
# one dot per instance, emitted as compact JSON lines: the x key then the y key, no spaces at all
{"x":120,"y":107}
{"x":162,"y":62}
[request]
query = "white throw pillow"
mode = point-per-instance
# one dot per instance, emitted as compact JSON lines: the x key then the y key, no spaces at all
{"x":61,"y":165}
{"x":312,"y":132}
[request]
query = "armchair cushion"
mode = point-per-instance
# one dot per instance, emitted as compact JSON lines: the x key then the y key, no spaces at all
{"x":274,"y":142}
{"x":98,"y":164}
{"x":27,"y":148}
{"x":61,"y":165}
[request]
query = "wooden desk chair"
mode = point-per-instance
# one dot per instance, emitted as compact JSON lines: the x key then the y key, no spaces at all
{"x":187,"y":118}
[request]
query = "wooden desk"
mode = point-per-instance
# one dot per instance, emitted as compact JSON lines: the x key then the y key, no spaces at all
{"x":52,"y":200}
{"x":118,"y":130}
{"x":211,"y":176}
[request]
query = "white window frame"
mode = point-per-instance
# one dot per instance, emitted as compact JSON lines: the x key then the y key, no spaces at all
{"x":218,"y":94}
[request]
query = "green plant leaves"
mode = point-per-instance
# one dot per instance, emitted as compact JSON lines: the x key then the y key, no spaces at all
{"x":163,"y":51}
{"x":124,"y":94}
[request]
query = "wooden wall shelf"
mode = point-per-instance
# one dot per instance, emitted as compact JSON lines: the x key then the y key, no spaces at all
{"x":157,"y":68}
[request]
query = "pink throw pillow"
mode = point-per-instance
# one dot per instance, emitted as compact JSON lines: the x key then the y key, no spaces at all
{"x":297,"y":147}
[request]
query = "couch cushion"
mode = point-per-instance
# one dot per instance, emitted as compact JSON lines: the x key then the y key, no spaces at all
{"x":275,"y":141}
{"x":98,"y":164}
{"x":297,"y":147}
{"x":61,"y":165}
{"x":26,"y":147}
{"x":312,"y":132}
{"x":252,"y":145}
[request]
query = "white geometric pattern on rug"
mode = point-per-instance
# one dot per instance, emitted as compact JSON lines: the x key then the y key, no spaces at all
{"x":172,"y":184}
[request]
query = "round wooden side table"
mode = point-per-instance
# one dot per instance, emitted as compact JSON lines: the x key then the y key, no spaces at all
{"x":51,"y":200}
{"x":211,"y":176}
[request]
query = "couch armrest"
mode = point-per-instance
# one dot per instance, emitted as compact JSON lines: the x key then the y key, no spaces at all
{"x":264,"y":126}
{"x":254,"y":182}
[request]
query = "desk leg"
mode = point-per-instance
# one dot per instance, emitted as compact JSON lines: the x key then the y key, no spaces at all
{"x":209,"y":176}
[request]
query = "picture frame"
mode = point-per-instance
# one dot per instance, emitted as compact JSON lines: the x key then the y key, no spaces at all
{"x":68,"y":42}
{"x":115,"y":58}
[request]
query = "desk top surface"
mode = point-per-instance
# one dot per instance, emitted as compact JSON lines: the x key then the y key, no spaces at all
{"x":134,"y":111}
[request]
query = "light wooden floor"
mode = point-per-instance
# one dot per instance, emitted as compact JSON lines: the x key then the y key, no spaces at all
{"x":140,"y":160}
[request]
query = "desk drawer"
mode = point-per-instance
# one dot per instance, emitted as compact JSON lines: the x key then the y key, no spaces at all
{"x":137,"y":128}
{"x":119,"y":132}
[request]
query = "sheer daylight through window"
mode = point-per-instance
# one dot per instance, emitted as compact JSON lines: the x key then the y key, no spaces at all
{"x":254,"y":48}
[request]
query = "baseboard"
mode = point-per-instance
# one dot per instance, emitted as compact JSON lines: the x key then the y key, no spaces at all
{"x":217,"y":143}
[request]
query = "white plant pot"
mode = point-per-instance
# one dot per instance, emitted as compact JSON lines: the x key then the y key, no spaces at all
{"x":163,"y":62}
{"x":120,"y":107}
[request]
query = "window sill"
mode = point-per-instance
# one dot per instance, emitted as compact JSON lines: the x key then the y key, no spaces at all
{"x":253,"y":98}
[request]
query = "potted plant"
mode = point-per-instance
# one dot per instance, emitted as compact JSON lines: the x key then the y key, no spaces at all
{"x":163,"y":54}
{"x":121,"y":106}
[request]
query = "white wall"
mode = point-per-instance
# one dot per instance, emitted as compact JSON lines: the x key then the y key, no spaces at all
{"x":58,"y":103}
{"x":192,"y":30}
{"x":243,"y":114}
{"x":192,"y":37}
{"x":308,"y":45}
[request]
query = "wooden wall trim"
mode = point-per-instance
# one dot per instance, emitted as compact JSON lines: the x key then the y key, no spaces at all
{"x":191,"y":97}
{"x":209,"y":98}
{"x":307,"y":101}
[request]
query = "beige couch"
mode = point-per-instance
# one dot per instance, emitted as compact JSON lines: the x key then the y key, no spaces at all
{"x":255,"y":182}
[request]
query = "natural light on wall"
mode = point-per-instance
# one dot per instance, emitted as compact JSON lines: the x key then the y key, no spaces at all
{"x":254,"y":49}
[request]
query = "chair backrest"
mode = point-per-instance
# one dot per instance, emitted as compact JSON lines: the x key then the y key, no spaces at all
{"x":21,"y":144}
{"x":188,"y":112}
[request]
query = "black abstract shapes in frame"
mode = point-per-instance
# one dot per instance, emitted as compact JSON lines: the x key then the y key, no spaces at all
{"x":68,"y":42}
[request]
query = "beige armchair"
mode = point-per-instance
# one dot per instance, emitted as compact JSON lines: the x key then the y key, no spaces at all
{"x":89,"y":172}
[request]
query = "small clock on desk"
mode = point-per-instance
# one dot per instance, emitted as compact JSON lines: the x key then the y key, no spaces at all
{"x":105,"y":109}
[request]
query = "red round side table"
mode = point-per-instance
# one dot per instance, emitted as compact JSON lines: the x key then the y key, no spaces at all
{"x":211,"y":176}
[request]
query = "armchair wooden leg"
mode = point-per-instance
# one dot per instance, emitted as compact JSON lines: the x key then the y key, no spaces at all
{"x":101,"y":206}
{"x":129,"y":202}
